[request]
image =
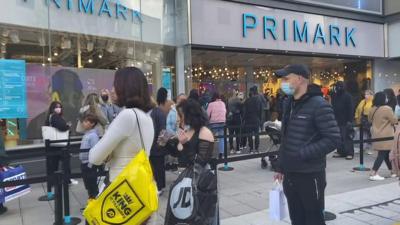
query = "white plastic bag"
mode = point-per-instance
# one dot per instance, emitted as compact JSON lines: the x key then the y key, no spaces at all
{"x":278,"y":209}
{"x":52,"y":134}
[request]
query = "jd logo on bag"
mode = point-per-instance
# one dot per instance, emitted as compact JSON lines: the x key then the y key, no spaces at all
{"x":181,"y":199}
{"x":120,"y":205}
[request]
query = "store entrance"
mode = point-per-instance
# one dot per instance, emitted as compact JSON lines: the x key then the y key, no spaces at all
{"x":228,"y":72}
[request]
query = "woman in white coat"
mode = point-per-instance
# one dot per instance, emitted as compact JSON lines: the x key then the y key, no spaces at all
{"x":122,"y":142}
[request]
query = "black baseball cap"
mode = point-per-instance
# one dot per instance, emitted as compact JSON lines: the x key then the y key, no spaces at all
{"x":298,"y":69}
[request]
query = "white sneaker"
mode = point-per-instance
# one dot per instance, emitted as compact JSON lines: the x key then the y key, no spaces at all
{"x":232,"y":151}
{"x":239,"y":152}
{"x":376,"y":178}
{"x":160,"y":192}
{"x":74,"y":182}
{"x":393,"y":175}
{"x":370,"y":153}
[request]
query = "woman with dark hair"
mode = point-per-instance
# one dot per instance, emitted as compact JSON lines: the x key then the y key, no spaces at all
{"x":216,"y":112}
{"x":194,"y":94}
{"x":157,"y":153}
{"x":383,"y":120}
{"x":132,"y":130}
{"x":163,"y":102}
{"x":391,"y":99}
{"x":54,"y":118}
{"x":193,"y":134}
{"x":92,"y":106}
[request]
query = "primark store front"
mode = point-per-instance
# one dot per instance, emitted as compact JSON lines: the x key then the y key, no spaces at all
{"x":65,"y":49}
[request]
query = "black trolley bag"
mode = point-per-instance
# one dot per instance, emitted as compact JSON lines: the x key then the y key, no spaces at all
{"x":193,"y":197}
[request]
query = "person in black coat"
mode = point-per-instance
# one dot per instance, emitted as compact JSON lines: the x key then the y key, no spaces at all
{"x":157,"y":153}
{"x":342,"y":104}
{"x":54,"y":118}
{"x":252,"y":119}
{"x":309,"y":133}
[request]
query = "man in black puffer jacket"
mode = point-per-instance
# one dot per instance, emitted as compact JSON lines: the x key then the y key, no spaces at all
{"x":309,"y":133}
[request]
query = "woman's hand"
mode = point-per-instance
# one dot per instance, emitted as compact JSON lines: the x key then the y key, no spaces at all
{"x":182,"y":137}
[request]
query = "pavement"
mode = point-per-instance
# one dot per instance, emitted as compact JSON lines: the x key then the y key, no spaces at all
{"x":243,"y":197}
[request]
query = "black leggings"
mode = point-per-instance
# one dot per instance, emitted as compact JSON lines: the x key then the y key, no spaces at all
{"x":158,"y":164}
{"x":382,"y":155}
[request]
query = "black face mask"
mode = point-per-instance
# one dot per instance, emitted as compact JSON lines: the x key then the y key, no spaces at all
{"x":104,"y":98}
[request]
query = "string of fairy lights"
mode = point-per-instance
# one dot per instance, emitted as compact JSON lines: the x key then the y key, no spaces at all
{"x":262,"y":74}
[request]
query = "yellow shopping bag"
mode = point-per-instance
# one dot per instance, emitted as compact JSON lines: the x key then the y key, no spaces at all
{"x":130,"y":199}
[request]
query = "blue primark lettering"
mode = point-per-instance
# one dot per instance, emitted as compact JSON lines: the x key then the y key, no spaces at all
{"x":270,"y":29}
{"x":349,"y":36}
{"x":88,"y":7}
{"x":57,"y":2}
{"x":246,"y":25}
{"x":69,"y":4}
{"x":304,"y":33}
{"x":319,"y":34}
{"x":285,"y":30}
{"x":121,"y":10}
{"x":334,"y":36}
{"x":105,"y":8}
{"x":136,"y":14}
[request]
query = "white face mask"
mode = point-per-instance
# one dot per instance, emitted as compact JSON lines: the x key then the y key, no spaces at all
{"x":57,"y":110}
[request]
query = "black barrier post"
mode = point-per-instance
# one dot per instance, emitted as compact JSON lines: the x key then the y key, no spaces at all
{"x":361,"y":167}
{"x":225,"y":167}
{"x":66,"y":159}
{"x":49,"y":196}
{"x":58,"y":207}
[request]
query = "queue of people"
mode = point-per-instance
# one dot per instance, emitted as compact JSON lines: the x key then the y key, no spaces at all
{"x":117,"y":125}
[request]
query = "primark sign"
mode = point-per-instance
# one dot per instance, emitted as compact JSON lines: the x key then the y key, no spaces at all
{"x":106,"y":8}
{"x":302,"y":31}
{"x":237,"y":25}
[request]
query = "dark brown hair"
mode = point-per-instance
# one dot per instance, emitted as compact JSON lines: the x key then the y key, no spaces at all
{"x":132,"y":89}
{"x":92,"y":118}
{"x":52,"y":106}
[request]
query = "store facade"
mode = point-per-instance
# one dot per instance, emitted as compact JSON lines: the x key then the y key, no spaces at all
{"x":70,"y":48}
{"x":236,"y":46}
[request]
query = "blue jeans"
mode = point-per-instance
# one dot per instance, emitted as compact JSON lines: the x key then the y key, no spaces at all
{"x":218,"y":130}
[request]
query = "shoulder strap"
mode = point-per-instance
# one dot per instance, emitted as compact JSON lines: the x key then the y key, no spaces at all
{"x":372,"y":119}
{"x":140,"y":130}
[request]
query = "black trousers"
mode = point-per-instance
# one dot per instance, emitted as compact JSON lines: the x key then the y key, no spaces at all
{"x":52,"y":165}
{"x":158,"y":164}
{"x":253,"y":129}
{"x":90,"y":179}
{"x":346,"y":148}
{"x":236,"y":120}
{"x":382,"y":156}
{"x":305,"y":193}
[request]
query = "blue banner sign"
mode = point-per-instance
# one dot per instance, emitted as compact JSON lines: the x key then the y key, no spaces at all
{"x":13,"y":89}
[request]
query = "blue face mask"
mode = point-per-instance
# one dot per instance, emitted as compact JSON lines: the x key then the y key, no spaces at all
{"x":287,"y":89}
